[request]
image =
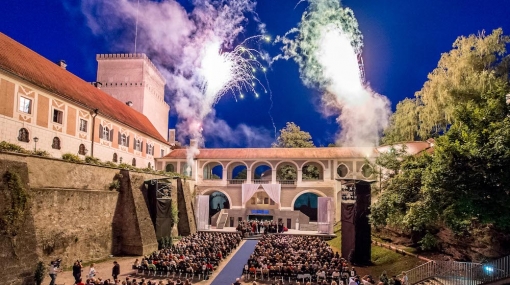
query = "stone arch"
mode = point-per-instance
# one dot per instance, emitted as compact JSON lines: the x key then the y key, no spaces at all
{"x":233,"y":164}
{"x":208,"y":167}
{"x":212,"y":190}
{"x":319,"y":193}
{"x":280,"y":172}
{"x":317,"y":164}
{"x":254,"y":166}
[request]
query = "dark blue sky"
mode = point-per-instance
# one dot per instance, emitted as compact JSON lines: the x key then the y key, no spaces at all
{"x":403,"y":41}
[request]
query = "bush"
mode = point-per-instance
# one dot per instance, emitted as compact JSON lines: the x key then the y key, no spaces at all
{"x":110,"y":164}
{"x":41,"y":153}
{"x":114,"y":185}
{"x":71,"y":157}
{"x":5,"y":146}
{"x":428,"y":242}
{"x":126,"y":166}
{"x":39,"y":273}
{"x":93,"y":160}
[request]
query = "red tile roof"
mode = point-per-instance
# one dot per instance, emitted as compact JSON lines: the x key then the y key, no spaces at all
{"x":19,"y":60}
{"x":277,"y":153}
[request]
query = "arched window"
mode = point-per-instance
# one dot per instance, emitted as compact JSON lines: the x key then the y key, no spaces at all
{"x":342,"y":170}
{"x":114,"y":157}
{"x":120,"y":161}
{"x":56,"y":143}
{"x":81,"y":149}
{"x":23,"y":135}
{"x":169,"y":168}
{"x":133,"y":162}
{"x":149,"y":165}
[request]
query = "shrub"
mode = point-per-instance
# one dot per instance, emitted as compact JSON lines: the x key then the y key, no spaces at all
{"x":110,"y":164}
{"x":428,"y":242}
{"x":39,"y":273}
{"x":71,"y":157}
{"x":126,"y":166}
{"x":5,"y":146}
{"x":41,"y":153}
{"x":115,"y":184}
{"x":92,"y":160}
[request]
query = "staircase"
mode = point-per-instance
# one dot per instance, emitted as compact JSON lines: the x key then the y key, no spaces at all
{"x":222,"y":220}
{"x":460,"y":273}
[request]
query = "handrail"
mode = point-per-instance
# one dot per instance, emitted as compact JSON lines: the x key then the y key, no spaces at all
{"x":462,"y":273}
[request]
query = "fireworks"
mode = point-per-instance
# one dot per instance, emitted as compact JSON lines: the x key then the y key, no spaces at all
{"x":232,"y":71}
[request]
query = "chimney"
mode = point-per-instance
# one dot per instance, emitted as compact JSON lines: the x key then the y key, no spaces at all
{"x":171,"y":136}
{"x":193,"y":142}
{"x":62,"y":63}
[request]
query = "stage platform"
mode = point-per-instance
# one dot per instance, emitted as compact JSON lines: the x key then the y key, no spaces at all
{"x":289,"y":232}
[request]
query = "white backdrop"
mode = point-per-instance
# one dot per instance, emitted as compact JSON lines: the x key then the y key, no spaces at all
{"x":202,"y":213}
{"x":325,"y":215}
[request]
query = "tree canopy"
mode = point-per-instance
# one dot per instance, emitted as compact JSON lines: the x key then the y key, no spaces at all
{"x":465,"y":182}
{"x":293,"y":137}
{"x":473,"y":67}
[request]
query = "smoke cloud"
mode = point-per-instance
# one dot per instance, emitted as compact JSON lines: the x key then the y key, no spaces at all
{"x":327,"y":46}
{"x":185,"y":46}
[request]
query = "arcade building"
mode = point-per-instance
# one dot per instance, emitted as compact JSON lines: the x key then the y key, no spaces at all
{"x":283,"y":184}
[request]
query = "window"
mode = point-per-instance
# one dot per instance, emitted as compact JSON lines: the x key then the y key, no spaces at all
{"x":150,"y":149}
{"x":56,"y":143}
{"x":23,"y":135}
{"x":57,"y":116}
{"x":133,"y":162}
{"x":123,"y":140}
{"x":106,"y":134}
{"x":114,"y":159}
{"x":162,"y":153}
{"x":149,"y":165}
{"x":342,"y":170}
{"x":138,"y":145}
{"x":120,"y":160}
{"x":83,"y":125}
{"x":366,"y":171}
{"x":82,"y":150}
{"x":25,"y":105}
{"x":170,"y":168}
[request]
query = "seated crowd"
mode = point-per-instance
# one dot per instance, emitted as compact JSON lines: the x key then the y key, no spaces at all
{"x":262,"y":227}
{"x":298,"y":258}
{"x":195,"y":255}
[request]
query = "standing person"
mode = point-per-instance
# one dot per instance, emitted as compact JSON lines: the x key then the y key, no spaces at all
{"x":405,"y":279}
{"x":92,"y":271}
{"x":53,"y":272}
{"x":77,"y":271}
{"x":115,"y":270}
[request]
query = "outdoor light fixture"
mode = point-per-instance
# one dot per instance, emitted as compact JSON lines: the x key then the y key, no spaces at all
{"x":488,"y":269}
{"x":36,"y":139}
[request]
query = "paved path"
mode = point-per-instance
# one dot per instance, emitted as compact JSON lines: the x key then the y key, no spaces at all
{"x":234,"y":267}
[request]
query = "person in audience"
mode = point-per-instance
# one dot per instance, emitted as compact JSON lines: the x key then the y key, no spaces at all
{"x":92,"y":271}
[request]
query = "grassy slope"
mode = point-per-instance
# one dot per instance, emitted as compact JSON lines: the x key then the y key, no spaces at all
{"x":384,"y":259}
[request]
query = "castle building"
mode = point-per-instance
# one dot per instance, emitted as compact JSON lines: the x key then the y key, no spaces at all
{"x":45,"y":107}
{"x":133,"y":79}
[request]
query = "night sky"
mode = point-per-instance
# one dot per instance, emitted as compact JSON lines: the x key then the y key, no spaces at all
{"x":403,"y":41}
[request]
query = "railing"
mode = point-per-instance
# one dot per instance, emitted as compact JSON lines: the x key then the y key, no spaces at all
{"x":461,"y":273}
{"x":236,"y":181}
{"x":287,"y":182}
{"x":261,"y":181}
{"x":494,"y":270}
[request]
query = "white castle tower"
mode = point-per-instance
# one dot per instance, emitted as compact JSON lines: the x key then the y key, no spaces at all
{"x":135,"y":80}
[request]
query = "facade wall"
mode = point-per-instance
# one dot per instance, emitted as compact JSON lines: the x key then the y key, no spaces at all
{"x":133,"y":77}
{"x":39,"y":122}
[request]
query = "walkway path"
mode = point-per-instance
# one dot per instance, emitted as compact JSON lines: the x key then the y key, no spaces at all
{"x":234,"y":267}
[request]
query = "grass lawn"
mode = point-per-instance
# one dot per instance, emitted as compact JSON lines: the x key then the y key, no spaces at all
{"x":383,"y":259}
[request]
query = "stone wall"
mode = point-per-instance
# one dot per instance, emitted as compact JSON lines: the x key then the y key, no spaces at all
{"x":74,"y":215}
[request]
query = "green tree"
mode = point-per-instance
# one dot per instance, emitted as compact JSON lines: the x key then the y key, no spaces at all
{"x":286,"y":172}
{"x":293,"y":137}
{"x":474,"y":65}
